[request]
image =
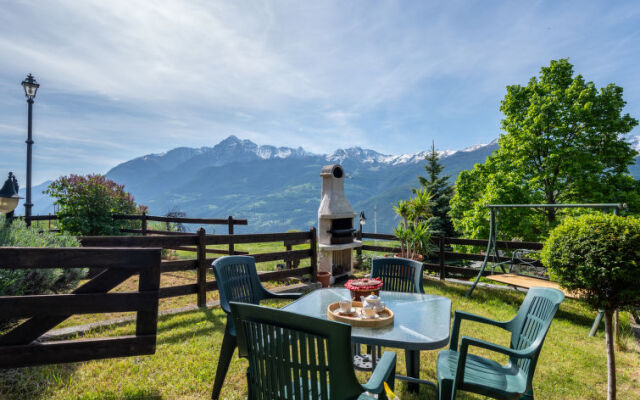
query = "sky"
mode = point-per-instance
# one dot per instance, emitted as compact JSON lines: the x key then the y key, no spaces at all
{"x":124,"y":78}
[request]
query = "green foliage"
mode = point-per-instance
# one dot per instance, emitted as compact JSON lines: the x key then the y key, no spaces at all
{"x":564,"y":142}
{"x":597,"y":255}
{"x":35,"y":281}
{"x":414,"y":231}
{"x":87,"y":204}
{"x":441,"y":192}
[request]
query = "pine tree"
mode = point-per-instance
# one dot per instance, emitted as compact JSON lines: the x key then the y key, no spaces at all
{"x":441,"y":191}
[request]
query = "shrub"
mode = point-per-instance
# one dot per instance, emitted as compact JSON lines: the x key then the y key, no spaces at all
{"x":598,"y":257}
{"x":35,"y":281}
{"x":87,"y":204}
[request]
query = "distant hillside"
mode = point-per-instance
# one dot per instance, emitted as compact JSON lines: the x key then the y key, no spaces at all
{"x":275,"y":188}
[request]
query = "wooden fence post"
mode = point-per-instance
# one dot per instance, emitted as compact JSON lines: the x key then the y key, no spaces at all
{"x":231,"y":249}
{"x":202,"y":268}
{"x":443,"y":272}
{"x":313,"y":246}
{"x":144,"y":223}
{"x":359,"y":237}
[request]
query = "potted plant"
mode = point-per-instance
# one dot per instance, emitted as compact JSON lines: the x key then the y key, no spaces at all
{"x":597,"y":256}
{"x":414,"y":231}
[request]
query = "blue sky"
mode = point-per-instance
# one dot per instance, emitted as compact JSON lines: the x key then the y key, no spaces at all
{"x":123,"y":78}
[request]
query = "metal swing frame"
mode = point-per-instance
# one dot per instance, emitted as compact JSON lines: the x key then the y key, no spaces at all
{"x":492,"y":242}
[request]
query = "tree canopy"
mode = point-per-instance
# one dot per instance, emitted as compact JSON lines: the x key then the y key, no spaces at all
{"x":564,"y":141}
{"x":87,"y":204}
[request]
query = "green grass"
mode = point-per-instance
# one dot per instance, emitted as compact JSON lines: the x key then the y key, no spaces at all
{"x":571,"y":365}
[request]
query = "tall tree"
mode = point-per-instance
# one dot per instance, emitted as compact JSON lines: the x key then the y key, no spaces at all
{"x":441,"y":193}
{"x":564,"y":142}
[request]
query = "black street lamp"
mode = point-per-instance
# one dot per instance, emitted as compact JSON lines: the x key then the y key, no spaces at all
{"x":9,"y":196}
{"x":30,"y":88}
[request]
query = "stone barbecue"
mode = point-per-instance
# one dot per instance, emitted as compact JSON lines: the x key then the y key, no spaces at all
{"x":335,"y":225}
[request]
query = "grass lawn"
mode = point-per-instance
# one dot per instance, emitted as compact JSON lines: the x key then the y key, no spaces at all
{"x":571,"y":365}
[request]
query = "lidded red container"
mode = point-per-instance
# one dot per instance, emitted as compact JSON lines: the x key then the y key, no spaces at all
{"x":363,"y":287}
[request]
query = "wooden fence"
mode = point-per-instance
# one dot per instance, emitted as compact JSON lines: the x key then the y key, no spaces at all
{"x":230,"y":222}
{"x":442,"y":244}
{"x":198,"y":243}
{"x":19,"y":348}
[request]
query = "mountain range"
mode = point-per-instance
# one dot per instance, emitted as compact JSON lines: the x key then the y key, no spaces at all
{"x":277,"y":188}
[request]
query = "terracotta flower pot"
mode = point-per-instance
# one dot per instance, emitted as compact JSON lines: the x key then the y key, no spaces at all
{"x":324,"y":278}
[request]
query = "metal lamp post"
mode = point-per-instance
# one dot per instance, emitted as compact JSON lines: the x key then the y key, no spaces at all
{"x":30,"y":88}
{"x":9,"y":196}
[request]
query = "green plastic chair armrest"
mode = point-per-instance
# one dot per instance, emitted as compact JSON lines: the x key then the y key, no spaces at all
{"x":458,"y":316}
{"x":385,"y":369}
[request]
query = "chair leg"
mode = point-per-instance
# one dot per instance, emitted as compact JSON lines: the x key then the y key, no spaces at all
{"x":528,"y":395}
{"x":229,"y":344}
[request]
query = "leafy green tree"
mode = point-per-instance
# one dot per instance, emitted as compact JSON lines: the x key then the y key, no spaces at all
{"x":564,"y":142}
{"x":441,"y":193}
{"x":597,"y":257}
{"x":87,"y":204}
{"x":414,"y":231}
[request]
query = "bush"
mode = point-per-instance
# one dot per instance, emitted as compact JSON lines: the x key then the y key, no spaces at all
{"x":35,"y":281}
{"x":87,"y":204}
{"x":598,"y":257}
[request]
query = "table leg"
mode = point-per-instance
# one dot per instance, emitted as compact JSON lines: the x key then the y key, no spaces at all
{"x":412,"y":361}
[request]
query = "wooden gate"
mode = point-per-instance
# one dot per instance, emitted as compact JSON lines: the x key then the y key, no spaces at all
{"x":19,"y":347}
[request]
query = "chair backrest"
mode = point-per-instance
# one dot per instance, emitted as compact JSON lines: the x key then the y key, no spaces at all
{"x":292,"y":356}
{"x":237,"y":280}
{"x":398,"y":274}
{"x":530,"y":326}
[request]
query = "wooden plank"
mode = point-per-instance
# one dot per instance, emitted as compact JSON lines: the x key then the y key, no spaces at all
{"x":33,"y":328}
{"x":528,"y":282}
{"x":256,"y":237}
{"x":77,"y":257}
{"x":283,"y":274}
{"x":202,"y":269}
{"x":313,"y":246}
{"x":230,"y":227}
{"x":154,"y":232}
{"x":75,"y":350}
{"x":180,"y":290}
{"x":380,"y":236}
{"x":210,"y":251}
{"x":63,"y":304}
{"x":206,"y":221}
{"x":381,"y":248}
{"x":282,"y":255}
{"x":147,"y":320}
{"x":178,"y":265}
{"x":139,"y":241}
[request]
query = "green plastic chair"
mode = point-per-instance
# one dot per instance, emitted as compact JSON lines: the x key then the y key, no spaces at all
{"x":459,"y":370}
{"x":398,"y":274}
{"x":238,"y":281}
{"x":292,"y":356}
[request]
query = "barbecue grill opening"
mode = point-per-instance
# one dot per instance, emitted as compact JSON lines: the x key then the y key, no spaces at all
{"x":341,"y":231}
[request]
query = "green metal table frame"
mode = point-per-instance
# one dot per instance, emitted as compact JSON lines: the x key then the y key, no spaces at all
{"x":492,"y":242}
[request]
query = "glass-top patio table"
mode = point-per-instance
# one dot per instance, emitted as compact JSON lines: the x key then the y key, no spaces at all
{"x":421,"y":322}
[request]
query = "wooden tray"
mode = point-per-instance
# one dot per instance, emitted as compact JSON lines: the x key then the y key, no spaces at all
{"x":385,"y":317}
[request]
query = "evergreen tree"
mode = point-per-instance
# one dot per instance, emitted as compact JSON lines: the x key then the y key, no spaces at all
{"x":441,"y":192}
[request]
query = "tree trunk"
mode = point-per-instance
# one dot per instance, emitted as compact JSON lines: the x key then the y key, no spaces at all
{"x":611,"y":356}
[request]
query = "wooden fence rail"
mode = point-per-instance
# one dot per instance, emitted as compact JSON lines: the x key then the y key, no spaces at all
{"x":442,"y":255}
{"x":198,"y":244}
{"x":18,"y":346}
